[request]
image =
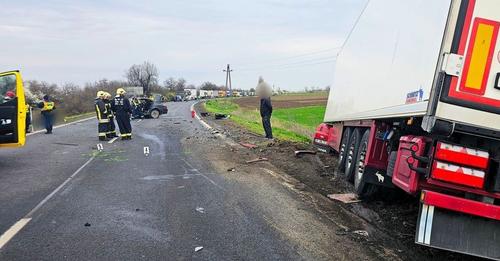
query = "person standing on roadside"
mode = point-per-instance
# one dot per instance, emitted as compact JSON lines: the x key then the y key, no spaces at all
{"x":47,"y":106}
{"x":266,"y":108}
{"x":122,"y":109}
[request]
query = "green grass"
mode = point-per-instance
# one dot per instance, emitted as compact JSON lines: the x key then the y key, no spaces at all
{"x":77,"y":117}
{"x":309,"y":117}
{"x":293,"y":124}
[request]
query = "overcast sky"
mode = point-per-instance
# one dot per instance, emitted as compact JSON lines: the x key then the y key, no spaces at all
{"x":291,"y":43}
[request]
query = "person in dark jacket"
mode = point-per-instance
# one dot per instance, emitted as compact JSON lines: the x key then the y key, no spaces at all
{"x":266,"y":108}
{"x":111,"y":133}
{"x":47,"y":107}
{"x":102,"y":115}
{"x":122,"y":109}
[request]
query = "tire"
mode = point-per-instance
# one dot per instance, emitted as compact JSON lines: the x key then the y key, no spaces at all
{"x":155,"y":114}
{"x":342,"y":150}
{"x":362,"y":188}
{"x":351,"y":152}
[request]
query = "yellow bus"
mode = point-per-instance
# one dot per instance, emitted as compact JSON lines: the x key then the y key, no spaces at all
{"x":12,"y":110}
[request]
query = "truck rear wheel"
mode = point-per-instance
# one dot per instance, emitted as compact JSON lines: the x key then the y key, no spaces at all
{"x":351,"y":152}
{"x":361,"y":187}
{"x":343,"y":148}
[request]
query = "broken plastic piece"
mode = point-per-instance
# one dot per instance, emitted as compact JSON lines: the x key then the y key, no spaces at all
{"x":345,"y":198}
{"x":200,"y":209}
{"x":248,"y":145}
{"x":300,"y":152}
{"x":196,"y":249}
{"x":256,"y":160}
{"x":361,"y":232}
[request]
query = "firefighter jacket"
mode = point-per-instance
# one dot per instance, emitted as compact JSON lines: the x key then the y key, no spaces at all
{"x":101,"y":111}
{"x":121,"y":105}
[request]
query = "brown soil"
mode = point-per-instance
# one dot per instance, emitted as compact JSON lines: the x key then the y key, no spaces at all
{"x":291,"y":101}
{"x":392,"y":213}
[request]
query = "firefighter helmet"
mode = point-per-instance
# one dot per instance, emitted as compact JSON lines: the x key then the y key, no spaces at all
{"x":100,"y":94}
{"x":120,"y":91}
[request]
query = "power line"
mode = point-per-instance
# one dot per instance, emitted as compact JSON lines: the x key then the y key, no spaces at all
{"x":318,"y":59}
{"x":290,"y":57}
{"x":354,"y":26}
{"x":291,"y":66}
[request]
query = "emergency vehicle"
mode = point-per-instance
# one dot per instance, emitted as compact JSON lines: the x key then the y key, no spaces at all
{"x":12,"y":110}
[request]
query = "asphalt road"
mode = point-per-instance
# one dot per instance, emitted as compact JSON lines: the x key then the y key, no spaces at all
{"x":62,"y":200}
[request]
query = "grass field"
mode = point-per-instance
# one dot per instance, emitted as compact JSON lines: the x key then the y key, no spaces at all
{"x":295,"y":116}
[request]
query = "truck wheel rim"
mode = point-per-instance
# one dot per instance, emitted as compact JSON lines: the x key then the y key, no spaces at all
{"x":361,"y":164}
{"x":349,"y":156}
{"x":342,"y":150}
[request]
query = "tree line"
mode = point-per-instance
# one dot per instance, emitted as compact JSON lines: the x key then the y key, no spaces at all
{"x":75,"y":99}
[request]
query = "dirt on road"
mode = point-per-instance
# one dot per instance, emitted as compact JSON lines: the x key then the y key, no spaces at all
{"x":390,"y":218}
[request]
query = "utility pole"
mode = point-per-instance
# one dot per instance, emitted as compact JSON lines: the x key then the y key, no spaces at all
{"x":228,"y":80}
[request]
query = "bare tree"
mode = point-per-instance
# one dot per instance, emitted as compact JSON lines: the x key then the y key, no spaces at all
{"x":145,"y":75}
{"x":178,"y":85}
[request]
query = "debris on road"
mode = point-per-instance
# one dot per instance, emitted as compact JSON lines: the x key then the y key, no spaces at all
{"x":200,"y":209}
{"x":137,"y":209}
{"x":146,"y":151}
{"x":300,"y":152}
{"x":256,"y":160}
{"x":345,"y":197}
{"x":360,"y":232}
{"x":231,"y":169}
{"x":87,"y":224}
{"x":215,"y":132}
{"x":100,"y":147}
{"x":177,"y":122}
{"x":196,"y":249}
{"x":221,"y":116}
{"x":205,"y":114}
{"x":248,"y":145}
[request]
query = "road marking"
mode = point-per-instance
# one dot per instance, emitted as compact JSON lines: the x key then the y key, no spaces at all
{"x":60,"y":126}
{"x":14,"y":229}
{"x":112,"y":140}
{"x":203,"y":175}
{"x":9,"y":234}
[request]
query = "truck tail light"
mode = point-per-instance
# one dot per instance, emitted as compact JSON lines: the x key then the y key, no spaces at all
{"x":462,"y":155}
{"x":458,"y":174}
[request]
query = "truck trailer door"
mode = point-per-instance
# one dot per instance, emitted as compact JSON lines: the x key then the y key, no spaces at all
{"x":12,"y":110}
{"x":472,"y":94}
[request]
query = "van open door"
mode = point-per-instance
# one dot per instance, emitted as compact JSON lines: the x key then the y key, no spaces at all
{"x":12,"y":110}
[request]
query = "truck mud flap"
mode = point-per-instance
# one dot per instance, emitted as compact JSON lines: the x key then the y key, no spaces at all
{"x":458,"y":232}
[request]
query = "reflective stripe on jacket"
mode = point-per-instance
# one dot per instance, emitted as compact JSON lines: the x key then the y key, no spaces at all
{"x":48,"y":106}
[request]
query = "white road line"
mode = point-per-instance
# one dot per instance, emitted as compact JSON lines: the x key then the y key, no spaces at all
{"x":60,"y":126}
{"x":203,"y":175}
{"x":14,"y":229}
{"x":112,"y":140}
{"x":199,"y":118}
{"x":9,"y":234}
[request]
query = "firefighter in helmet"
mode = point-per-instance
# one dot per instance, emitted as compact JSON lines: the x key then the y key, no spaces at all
{"x":122,"y":109}
{"x":102,"y":115}
{"x":111,"y":116}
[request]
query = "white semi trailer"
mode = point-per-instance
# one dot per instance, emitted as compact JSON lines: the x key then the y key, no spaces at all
{"x":415,"y":105}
